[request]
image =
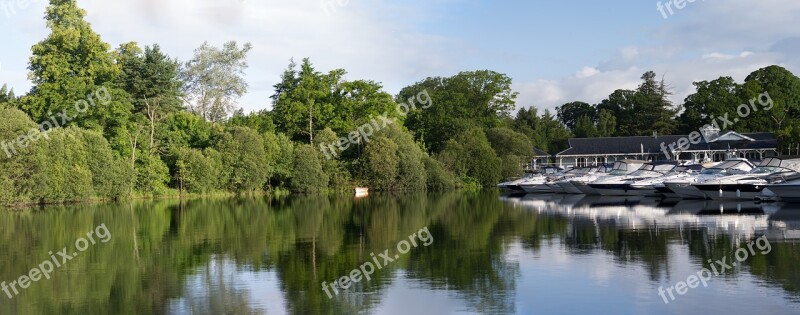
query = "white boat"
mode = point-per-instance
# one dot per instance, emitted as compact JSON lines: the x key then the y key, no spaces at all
{"x":620,"y":168}
{"x":538,"y":182}
{"x":613,"y":184}
{"x":566,"y":183}
{"x":683,"y":187}
{"x":554,"y":182}
{"x":753,"y":184}
{"x":655,"y":187}
{"x":620,"y":185}
{"x":787,"y":189}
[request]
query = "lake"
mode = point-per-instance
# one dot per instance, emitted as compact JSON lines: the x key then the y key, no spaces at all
{"x":448,"y":253}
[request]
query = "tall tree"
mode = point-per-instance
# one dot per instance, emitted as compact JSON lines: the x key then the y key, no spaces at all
{"x":475,"y":98}
{"x":69,"y":68}
{"x":569,"y":113}
{"x":214,"y":79}
{"x":712,"y":98}
{"x":783,"y":117}
{"x":301,"y":100}
{"x":152,"y":80}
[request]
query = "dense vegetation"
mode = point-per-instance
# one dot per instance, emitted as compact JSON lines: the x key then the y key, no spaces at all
{"x":116,"y":123}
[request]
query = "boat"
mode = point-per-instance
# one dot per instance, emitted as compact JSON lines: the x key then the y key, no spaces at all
{"x":655,"y":187}
{"x":683,"y":187}
{"x":361,"y":192}
{"x":620,"y":185}
{"x":538,"y":182}
{"x":619,"y":168}
{"x":753,"y":184}
{"x":787,"y":189}
{"x":555,"y":182}
{"x":566,"y":183}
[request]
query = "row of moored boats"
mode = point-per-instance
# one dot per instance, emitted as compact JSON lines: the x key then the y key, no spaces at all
{"x":731,"y":179}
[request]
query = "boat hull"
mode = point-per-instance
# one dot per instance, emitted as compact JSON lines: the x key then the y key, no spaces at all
{"x":786,"y":192}
{"x":536,"y":188}
{"x":686,"y":191}
{"x":569,"y":187}
{"x":731,"y":191}
{"x":612,"y":189}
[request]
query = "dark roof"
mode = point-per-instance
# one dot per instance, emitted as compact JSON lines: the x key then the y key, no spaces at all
{"x":540,"y":152}
{"x":652,"y":144}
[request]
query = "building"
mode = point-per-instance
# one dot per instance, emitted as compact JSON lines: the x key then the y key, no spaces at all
{"x":709,"y":145}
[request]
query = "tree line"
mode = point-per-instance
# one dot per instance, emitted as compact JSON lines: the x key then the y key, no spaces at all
{"x":174,"y":127}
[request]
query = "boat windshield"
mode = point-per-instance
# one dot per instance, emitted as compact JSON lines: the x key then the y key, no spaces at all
{"x":769,"y":170}
{"x":712,"y":171}
{"x":618,"y":172}
{"x":725,"y":166}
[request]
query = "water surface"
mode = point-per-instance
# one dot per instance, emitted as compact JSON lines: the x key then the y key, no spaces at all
{"x":490,"y":254}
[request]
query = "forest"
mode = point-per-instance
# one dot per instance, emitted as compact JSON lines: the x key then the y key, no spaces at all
{"x":103,"y":123}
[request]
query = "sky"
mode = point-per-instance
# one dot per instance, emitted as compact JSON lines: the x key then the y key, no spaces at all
{"x":555,"y":51}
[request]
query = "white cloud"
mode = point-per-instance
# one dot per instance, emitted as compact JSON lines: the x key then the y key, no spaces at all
{"x":703,"y":42}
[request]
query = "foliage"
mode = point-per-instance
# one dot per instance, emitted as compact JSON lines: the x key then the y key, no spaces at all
{"x":382,"y":163}
{"x":243,"y":168}
{"x":308,"y":176}
{"x":214,"y":79}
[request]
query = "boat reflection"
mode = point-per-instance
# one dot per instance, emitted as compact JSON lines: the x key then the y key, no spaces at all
{"x":739,"y":219}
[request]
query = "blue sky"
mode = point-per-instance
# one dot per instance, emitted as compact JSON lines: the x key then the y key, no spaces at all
{"x":556,"y":51}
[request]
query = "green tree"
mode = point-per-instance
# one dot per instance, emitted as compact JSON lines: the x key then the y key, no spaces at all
{"x":152,"y":80}
{"x":214,"y":79}
{"x":585,"y":128}
{"x":68,"y":70}
{"x":478,"y":98}
{"x":783,"y":88}
{"x":606,"y":123}
{"x":308,"y":176}
{"x":509,"y":142}
{"x":242,"y":151}
{"x":570,"y":113}
{"x":382,"y":163}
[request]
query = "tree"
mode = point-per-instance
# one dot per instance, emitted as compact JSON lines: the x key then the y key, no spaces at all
{"x":382,"y":163}
{"x":308,"y":174}
{"x":606,"y":124}
{"x":214,"y":79}
{"x":783,"y":89}
{"x":585,"y":128}
{"x":711,"y":99}
{"x":478,"y":98}
{"x":69,"y":68}
{"x":509,"y":142}
{"x":299,"y":104}
{"x":242,"y":152}
{"x":470,"y":155}
{"x":569,"y":113}
{"x":151,"y":78}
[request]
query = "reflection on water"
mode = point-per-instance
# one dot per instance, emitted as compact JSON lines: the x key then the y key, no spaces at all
{"x":492,"y":254}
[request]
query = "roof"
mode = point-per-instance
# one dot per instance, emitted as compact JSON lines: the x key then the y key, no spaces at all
{"x":652,"y":144}
{"x":540,"y":152}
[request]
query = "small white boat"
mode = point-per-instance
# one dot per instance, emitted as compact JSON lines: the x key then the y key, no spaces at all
{"x":361,"y":192}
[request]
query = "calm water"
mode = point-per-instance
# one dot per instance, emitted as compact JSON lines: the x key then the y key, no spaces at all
{"x":489,"y":254}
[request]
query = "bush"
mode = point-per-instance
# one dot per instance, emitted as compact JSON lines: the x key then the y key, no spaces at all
{"x":512,"y":166}
{"x":382,"y":163}
{"x":243,"y":166}
{"x":308,"y":175}
{"x":195,"y":171}
{"x":411,"y":168}
{"x":438,"y":177}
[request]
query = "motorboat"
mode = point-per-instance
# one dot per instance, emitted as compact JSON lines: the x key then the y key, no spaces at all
{"x":512,"y":186}
{"x":555,"y":182}
{"x":655,"y":187}
{"x":620,"y":185}
{"x":683,"y":188}
{"x":566,"y":183}
{"x":787,"y":189}
{"x":614,"y":184}
{"x":538,"y":182}
{"x":620,"y":168}
{"x":753,"y":184}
